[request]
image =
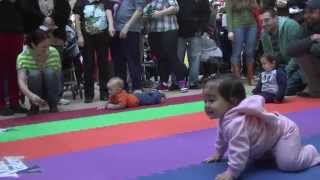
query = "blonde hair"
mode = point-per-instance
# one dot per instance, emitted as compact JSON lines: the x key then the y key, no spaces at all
{"x":239,"y":5}
{"x":117,"y":82}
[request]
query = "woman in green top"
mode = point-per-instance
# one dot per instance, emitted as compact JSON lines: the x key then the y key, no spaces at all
{"x":242,"y":29}
{"x":39,"y":72}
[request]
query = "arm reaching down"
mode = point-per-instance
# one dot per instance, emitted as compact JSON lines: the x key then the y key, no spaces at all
{"x":239,"y":147}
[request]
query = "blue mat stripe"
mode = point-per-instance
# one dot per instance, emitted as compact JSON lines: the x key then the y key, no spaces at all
{"x":209,"y":171}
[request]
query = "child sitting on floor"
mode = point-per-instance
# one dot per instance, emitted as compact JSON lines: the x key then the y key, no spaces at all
{"x":273,"y":82}
{"x":120,"y":99}
{"x":249,"y":132}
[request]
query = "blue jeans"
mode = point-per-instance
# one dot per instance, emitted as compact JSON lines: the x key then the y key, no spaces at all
{"x":244,"y":38}
{"x":193,"y":47}
{"x":46,"y":84}
{"x":148,"y":98}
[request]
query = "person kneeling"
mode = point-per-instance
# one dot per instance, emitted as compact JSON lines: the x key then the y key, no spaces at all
{"x":120,"y":99}
{"x":39,"y":72}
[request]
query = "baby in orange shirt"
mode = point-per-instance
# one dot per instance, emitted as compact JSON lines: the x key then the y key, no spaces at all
{"x":120,"y":99}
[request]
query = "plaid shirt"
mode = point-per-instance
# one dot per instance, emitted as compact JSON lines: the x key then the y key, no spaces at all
{"x":164,"y":23}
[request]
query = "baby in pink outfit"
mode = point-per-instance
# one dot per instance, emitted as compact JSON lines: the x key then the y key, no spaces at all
{"x":249,"y":132}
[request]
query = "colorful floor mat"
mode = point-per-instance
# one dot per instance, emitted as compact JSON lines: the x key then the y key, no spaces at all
{"x":165,"y":142}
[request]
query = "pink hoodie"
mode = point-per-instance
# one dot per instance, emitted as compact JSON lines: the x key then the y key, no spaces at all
{"x":248,"y":132}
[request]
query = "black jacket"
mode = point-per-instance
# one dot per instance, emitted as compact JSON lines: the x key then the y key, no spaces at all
{"x":305,"y":45}
{"x":11,"y":17}
{"x":193,"y":17}
{"x":34,"y":17}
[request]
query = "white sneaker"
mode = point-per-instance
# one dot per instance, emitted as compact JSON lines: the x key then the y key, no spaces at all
{"x":184,"y":90}
{"x":64,"y":101}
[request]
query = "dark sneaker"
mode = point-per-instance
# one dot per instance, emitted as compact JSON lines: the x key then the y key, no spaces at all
{"x":19,"y":109}
{"x":303,"y":94}
{"x":53,"y":109}
{"x":103,"y":97}
{"x":163,"y":87}
{"x":174,"y":87}
{"x":6,"y":112}
{"x":33,"y":110}
{"x":88,"y":100}
{"x":307,"y":94}
{"x":195,"y":86}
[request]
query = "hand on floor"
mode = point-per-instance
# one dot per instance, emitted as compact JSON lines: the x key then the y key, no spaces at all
{"x":214,"y":158}
{"x":224,"y":176}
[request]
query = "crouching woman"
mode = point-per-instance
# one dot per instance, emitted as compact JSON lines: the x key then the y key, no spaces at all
{"x":39,"y":72}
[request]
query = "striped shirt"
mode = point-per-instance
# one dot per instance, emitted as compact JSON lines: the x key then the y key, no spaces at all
{"x":25,"y":60}
{"x":164,"y":23}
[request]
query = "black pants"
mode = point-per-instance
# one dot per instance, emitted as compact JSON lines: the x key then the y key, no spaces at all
{"x":126,"y":53}
{"x":95,"y":45}
{"x":164,"y":45}
{"x":310,"y":66}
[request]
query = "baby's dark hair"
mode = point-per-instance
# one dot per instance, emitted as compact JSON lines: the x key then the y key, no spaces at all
{"x":229,"y":87}
{"x":36,"y":37}
{"x":270,"y":58}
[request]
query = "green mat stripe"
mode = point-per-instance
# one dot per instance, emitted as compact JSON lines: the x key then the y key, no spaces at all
{"x":78,"y":124}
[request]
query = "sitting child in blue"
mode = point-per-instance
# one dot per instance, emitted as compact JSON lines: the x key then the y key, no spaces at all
{"x":273,"y":82}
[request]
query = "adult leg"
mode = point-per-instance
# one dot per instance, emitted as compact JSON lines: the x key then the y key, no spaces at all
{"x":295,"y":83}
{"x":157,"y":49}
{"x":310,"y":65}
{"x":52,"y":81}
{"x":14,"y":48}
{"x":169,"y":43}
{"x":183,"y":43}
{"x":300,"y":157}
{"x":237,"y":46}
{"x":194,"y":50}
{"x":3,"y":67}
{"x":35,"y":85}
{"x":118,"y":58}
{"x":102,"y":46}
{"x":133,"y":56}
{"x":182,"y":47}
{"x":88,"y":64}
{"x":250,"y":42}
{"x":4,"y":63}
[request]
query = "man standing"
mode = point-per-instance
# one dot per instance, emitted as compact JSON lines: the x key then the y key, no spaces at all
{"x":307,"y":50}
{"x":279,"y":33}
{"x":125,"y":49}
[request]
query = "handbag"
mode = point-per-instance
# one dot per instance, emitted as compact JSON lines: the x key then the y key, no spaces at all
{"x":210,"y":52}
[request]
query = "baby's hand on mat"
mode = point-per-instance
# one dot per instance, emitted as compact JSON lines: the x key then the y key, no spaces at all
{"x":225,"y":176}
{"x":214,"y":158}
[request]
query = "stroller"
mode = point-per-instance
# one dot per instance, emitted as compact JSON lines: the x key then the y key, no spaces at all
{"x":150,"y":63}
{"x":71,"y":64}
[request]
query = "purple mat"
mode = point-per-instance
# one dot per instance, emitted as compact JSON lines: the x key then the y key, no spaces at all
{"x":129,"y":161}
